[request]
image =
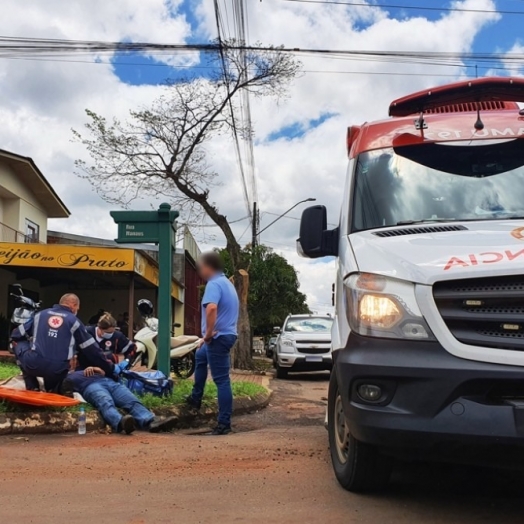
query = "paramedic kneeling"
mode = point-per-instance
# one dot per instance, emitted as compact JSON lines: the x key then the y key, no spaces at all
{"x":107,"y":396}
{"x":46,"y":344}
{"x":113,"y":343}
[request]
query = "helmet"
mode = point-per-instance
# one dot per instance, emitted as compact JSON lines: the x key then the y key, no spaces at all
{"x":21,"y":315}
{"x":145,"y":307}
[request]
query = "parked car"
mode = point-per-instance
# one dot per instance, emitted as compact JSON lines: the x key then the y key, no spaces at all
{"x":304,"y":344}
{"x":270,"y":348}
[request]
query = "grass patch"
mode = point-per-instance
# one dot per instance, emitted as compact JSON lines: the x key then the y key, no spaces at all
{"x":9,"y":407}
{"x":183,"y":388}
{"x":8,"y":370}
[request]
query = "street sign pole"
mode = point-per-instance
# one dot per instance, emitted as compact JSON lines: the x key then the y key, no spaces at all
{"x":155,"y":227}
{"x":165,"y":307}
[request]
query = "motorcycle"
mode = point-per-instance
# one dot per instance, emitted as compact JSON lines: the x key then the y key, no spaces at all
{"x":183,"y":348}
{"x":26,"y":308}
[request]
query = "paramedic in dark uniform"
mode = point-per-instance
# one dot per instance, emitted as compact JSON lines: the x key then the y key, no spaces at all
{"x":46,"y":344}
{"x":111,"y":341}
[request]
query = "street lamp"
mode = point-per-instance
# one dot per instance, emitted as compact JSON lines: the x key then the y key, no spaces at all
{"x":256,"y":234}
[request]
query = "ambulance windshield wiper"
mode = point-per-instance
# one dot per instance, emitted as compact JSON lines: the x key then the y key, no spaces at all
{"x":425,"y":221}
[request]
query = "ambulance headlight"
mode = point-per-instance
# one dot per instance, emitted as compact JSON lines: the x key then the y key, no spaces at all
{"x":384,"y":307}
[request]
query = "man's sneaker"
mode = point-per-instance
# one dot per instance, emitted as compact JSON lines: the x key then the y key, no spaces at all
{"x":159,"y":424}
{"x":221,"y":429}
{"x":192,"y":403}
{"x":67,"y":388}
{"x":126,"y":424}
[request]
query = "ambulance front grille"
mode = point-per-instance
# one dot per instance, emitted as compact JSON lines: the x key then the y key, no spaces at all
{"x":487,"y":312}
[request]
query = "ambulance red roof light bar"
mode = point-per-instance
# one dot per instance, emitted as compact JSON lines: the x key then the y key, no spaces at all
{"x":495,"y":92}
{"x":352,"y":134}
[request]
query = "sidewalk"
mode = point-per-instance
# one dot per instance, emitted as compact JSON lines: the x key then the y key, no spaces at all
{"x":261,"y":380}
{"x":5,"y":356}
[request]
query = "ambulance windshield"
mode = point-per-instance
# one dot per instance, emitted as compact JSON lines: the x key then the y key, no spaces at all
{"x":439,"y":183}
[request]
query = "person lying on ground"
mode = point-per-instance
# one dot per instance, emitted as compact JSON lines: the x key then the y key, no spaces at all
{"x":108,"y":396}
{"x":45,"y":345}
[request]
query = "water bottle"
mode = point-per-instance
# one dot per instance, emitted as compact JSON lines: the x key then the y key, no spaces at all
{"x":82,"y":422}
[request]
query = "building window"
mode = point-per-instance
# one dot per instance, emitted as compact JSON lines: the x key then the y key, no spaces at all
{"x":32,"y":232}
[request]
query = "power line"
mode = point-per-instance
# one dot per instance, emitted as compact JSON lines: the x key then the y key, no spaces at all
{"x":241,"y":31}
{"x":214,"y":225}
{"x":410,"y":7}
{"x":245,"y":104}
{"x":277,"y":215}
{"x":44,"y":49}
{"x":309,"y":71}
{"x":28,"y":47}
{"x":245,"y":231}
{"x":231,"y":109}
{"x":290,"y":247}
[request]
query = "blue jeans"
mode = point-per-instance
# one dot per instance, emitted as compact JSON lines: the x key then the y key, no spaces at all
{"x":106,"y":395}
{"x":33,"y":365}
{"x":216,"y":356}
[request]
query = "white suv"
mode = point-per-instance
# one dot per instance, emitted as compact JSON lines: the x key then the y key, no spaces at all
{"x":304,"y":344}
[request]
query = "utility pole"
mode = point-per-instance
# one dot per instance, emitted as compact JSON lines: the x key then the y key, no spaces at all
{"x":254,"y":227}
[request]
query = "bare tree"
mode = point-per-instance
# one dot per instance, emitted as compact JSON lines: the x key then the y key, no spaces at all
{"x":160,"y":151}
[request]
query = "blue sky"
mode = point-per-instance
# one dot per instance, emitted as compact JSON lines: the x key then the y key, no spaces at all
{"x":135,"y":69}
{"x":498,"y":36}
{"x":299,"y":140}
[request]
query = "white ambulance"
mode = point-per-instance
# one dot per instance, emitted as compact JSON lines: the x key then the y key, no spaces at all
{"x":428,"y":336}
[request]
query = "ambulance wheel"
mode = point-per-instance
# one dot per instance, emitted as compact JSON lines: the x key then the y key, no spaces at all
{"x":183,"y":367}
{"x":358,"y":467}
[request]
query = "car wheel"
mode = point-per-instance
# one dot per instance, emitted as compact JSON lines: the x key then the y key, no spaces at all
{"x":358,"y":467}
{"x":281,"y":372}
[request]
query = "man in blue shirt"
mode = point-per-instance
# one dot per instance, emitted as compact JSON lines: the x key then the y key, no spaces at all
{"x":219,"y":331}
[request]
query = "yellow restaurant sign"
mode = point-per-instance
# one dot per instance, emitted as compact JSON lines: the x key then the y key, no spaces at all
{"x":62,"y":256}
{"x":66,"y":257}
{"x":145,"y":268}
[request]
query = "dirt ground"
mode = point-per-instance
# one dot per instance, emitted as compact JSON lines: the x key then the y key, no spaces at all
{"x":275,"y":468}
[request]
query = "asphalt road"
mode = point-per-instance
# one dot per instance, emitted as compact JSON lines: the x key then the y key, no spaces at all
{"x":275,"y":468}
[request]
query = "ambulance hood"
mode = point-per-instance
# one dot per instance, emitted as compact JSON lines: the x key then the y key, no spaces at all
{"x":428,"y":253}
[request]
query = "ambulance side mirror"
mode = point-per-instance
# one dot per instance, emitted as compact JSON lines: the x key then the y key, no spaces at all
{"x":315,"y":239}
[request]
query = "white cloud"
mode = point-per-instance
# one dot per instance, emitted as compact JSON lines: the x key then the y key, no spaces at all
{"x":118,"y":20}
{"x":43,"y":100}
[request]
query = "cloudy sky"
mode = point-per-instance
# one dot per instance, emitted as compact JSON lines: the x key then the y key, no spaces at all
{"x":299,"y":142}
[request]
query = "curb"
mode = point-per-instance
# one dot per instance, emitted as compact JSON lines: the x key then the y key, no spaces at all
{"x":45,"y":422}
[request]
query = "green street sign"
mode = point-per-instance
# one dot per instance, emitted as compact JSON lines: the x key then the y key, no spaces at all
{"x":155,"y":227}
{"x":133,"y":232}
